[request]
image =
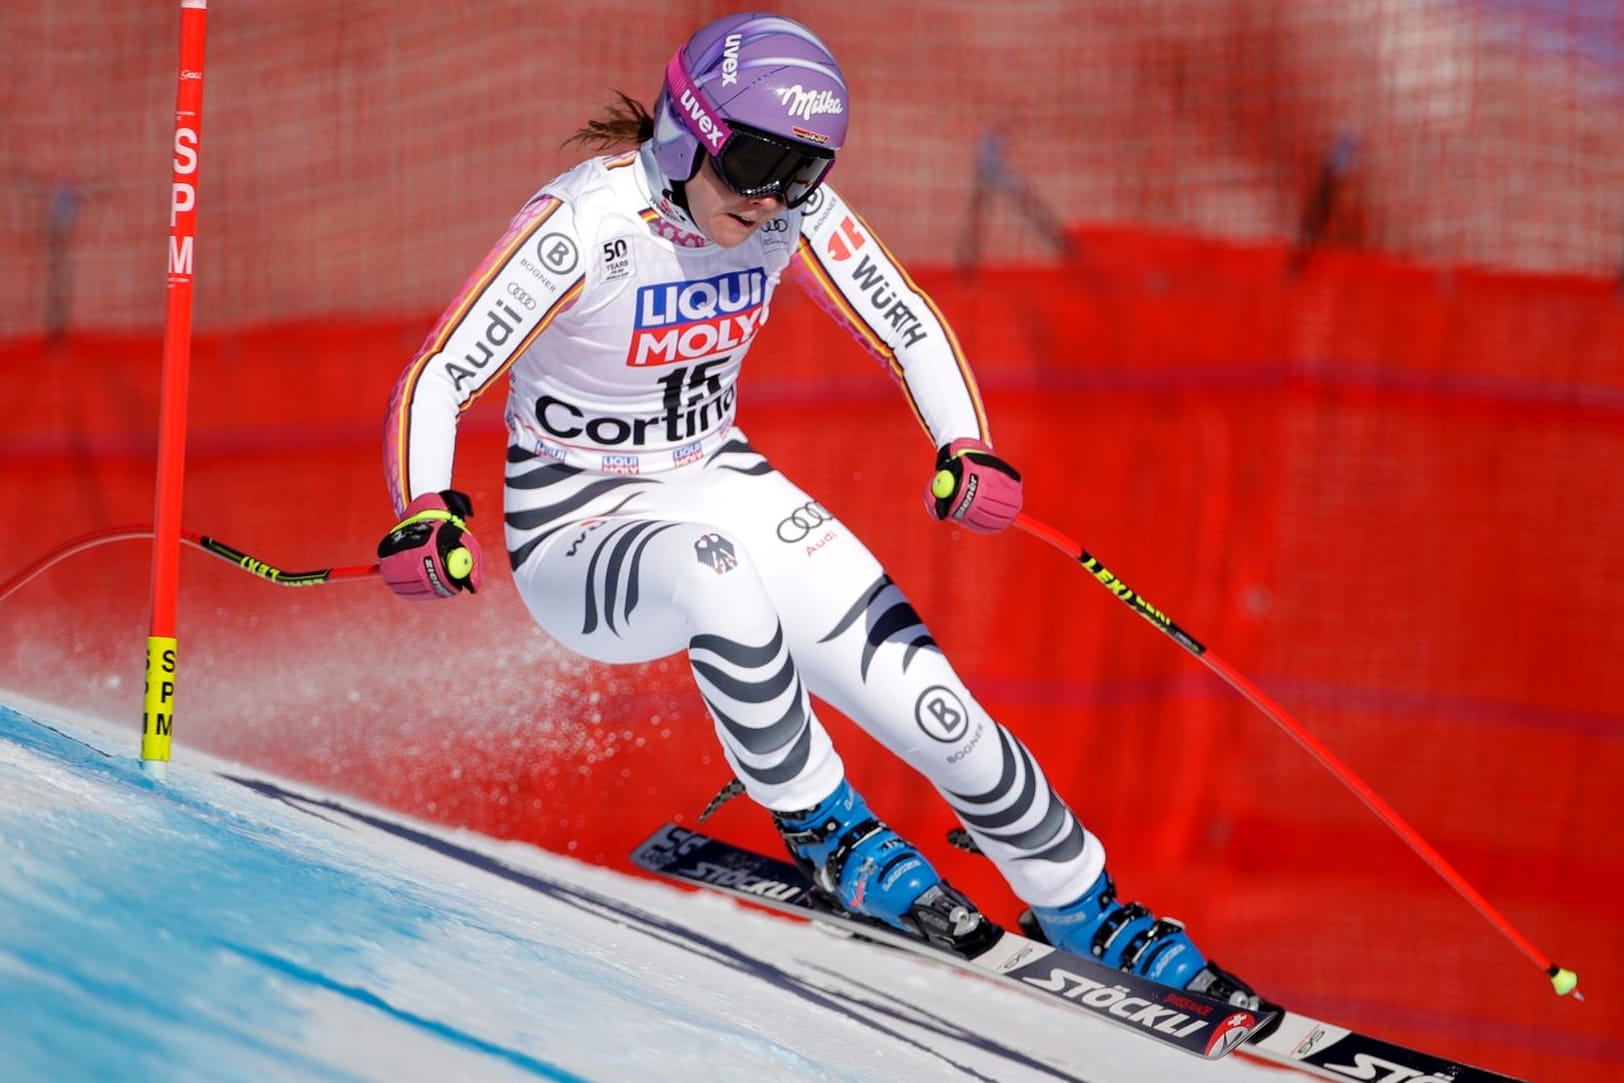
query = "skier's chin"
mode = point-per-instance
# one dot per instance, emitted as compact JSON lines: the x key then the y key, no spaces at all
{"x":729,"y":229}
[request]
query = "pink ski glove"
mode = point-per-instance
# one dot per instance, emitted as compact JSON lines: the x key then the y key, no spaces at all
{"x":430,"y":554}
{"x":973,"y":488}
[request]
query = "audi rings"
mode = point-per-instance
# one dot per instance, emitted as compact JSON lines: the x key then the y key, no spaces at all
{"x":802,"y":522}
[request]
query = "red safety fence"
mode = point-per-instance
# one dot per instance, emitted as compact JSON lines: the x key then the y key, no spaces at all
{"x":1302,"y":316}
{"x":1388,"y":495}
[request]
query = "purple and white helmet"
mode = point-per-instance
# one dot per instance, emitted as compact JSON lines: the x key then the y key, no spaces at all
{"x":763,"y":97}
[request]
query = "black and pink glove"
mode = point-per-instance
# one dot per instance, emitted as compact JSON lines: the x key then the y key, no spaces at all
{"x":973,"y":488}
{"x":430,"y":553}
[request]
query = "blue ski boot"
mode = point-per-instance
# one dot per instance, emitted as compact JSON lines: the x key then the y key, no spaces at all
{"x":866,"y":868}
{"x":1129,"y":937}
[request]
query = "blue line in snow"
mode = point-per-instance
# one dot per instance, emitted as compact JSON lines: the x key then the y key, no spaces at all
{"x":378,"y":1003}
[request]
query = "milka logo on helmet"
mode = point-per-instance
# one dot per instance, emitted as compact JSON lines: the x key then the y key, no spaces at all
{"x":686,"y":321}
{"x":707,"y":127}
{"x":809,"y":103}
{"x":730,"y":59}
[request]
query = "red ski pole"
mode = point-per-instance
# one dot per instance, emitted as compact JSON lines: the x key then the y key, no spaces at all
{"x":1564,"y":981}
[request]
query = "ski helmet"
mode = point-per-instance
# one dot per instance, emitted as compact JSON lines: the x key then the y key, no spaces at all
{"x":763,"y":97}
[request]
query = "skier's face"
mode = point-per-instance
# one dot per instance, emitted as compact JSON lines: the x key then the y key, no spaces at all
{"x":727,"y":218}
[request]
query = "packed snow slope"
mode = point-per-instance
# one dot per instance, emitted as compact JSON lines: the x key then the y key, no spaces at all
{"x":227,"y":925}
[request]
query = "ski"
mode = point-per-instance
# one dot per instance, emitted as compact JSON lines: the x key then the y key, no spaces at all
{"x":1334,"y":1052}
{"x":1324,"y":1049}
{"x":1187,"y":1021}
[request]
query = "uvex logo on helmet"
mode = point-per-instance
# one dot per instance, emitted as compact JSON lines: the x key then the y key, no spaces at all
{"x":730,"y":60}
{"x":713,"y":132}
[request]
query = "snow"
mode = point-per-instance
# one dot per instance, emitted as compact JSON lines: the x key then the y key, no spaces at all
{"x":227,"y":925}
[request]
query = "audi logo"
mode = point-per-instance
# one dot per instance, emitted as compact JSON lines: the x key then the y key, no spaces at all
{"x":802,"y":521}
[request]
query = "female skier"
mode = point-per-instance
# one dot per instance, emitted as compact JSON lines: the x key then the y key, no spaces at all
{"x":640,"y":522}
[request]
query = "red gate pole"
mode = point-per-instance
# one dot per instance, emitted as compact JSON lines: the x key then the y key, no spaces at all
{"x":158,"y":707}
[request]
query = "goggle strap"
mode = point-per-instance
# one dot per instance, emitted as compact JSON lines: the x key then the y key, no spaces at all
{"x":694,"y":107}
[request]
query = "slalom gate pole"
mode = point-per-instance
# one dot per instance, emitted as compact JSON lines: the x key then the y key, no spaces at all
{"x":158,"y":706}
{"x":1563,"y":981}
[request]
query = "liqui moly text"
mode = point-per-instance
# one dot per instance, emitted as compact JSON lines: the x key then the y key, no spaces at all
{"x":688,"y":321}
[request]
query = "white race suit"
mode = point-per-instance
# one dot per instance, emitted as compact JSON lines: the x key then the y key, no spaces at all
{"x":640,"y":522}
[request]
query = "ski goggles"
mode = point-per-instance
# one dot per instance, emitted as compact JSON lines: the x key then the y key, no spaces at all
{"x":750,"y":162}
{"x":754,"y":164}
